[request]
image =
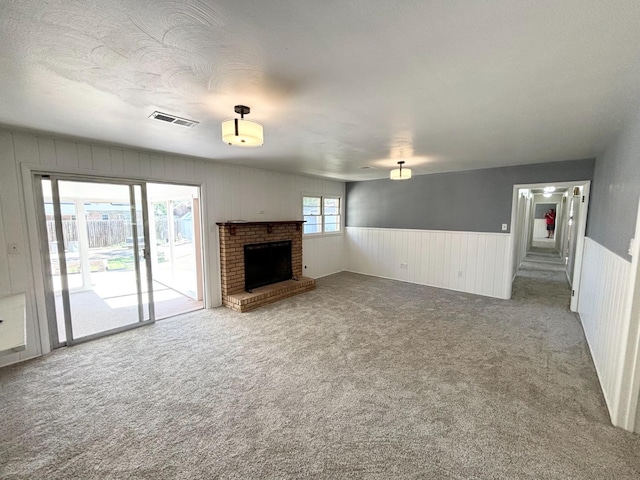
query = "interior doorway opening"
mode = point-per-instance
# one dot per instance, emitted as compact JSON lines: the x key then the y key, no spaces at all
{"x":562,"y":252}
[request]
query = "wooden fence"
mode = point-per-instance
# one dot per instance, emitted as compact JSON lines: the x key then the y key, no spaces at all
{"x":108,"y":233}
{"x":102,"y":233}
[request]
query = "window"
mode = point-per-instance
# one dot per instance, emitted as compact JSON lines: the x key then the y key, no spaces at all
{"x":331,"y":210}
{"x":321,"y":214}
{"x":312,"y":213}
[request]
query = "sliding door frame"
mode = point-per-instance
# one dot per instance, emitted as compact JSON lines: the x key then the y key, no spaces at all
{"x":51,"y":312}
{"x":40,"y":270}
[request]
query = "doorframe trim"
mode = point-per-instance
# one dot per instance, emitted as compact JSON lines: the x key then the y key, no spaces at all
{"x":47,"y":274}
{"x":62,"y":262}
{"x":629,"y":379}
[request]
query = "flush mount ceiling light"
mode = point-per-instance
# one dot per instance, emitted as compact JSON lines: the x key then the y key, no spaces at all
{"x":400,"y":173}
{"x":549,"y":189}
{"x":546,"y":194}
{"x":241,"y":132}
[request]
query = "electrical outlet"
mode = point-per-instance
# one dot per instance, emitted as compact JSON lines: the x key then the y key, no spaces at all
{"x":13,"y":249}
{"x":261,"y":212}
{"x":404,"y":266}
{"x":504,"y":227}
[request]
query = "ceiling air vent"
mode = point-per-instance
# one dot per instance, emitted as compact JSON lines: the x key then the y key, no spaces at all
{"x":165,"y":117}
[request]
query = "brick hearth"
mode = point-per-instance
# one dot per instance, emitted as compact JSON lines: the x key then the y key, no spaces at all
{"x":233,"y":237}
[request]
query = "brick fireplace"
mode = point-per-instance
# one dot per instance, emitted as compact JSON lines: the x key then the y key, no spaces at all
{"x":233,"y":238}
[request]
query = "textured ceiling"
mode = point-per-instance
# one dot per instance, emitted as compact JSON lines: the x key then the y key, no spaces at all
{"x":338,"y":85}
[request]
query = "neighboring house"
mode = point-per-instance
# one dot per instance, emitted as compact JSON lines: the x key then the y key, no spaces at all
{"x":94,"y":211}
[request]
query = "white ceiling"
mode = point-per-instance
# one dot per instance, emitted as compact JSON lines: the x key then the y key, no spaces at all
{"x":338,"y":85}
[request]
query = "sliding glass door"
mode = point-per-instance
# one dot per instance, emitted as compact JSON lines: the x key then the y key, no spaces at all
{"x":99,"y":272}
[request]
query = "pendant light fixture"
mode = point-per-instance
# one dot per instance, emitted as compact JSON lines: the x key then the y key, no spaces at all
{"x":241,"y":132}
{"x":400,"y":173}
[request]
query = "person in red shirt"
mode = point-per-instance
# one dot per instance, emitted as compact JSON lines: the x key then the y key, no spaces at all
{"x":550,"y":217}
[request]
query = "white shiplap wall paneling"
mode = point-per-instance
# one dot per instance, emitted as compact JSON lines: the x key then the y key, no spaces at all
{"x":8,"y":217}
{"x":85,"y":158}
{"x":603,"y":297}
{"x":322,"y":256}
{"x":131,"y":163}
{"x":465,"y":261}
{"x":117,"y":161}
{"x":14,"y":231}
{"x":101,"y":159}
{"x":47,"y":149}
{"x":156,"y":164}
{"x":66,"y":154}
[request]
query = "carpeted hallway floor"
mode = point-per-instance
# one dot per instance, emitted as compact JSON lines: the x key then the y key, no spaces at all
{"x":363,"y":378}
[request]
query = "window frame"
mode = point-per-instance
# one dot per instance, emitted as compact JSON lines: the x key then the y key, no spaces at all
{"x":322,"y":215}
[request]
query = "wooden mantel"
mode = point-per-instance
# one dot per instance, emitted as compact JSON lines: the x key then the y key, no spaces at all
{"x":234,"y":224}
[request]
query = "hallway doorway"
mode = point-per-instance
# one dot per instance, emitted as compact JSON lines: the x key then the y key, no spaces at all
{"x":531,"y":245}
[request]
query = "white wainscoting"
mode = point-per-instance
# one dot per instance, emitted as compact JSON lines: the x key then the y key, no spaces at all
{"x":323,"y":255}
{"x":473,"y":262}
{"x":603,"y":297}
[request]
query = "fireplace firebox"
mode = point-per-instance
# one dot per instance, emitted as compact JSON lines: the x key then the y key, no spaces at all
{"x":267,"y":263}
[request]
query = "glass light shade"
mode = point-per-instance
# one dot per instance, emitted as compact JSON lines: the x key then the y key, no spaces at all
{"x":250,"y":134}
{"x":549,"y":189}
{"x":546,"y":195}
{"x":397,"y":174}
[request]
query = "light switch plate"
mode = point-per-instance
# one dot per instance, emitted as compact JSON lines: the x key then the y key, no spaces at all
{"x":13,"y":249}
{"x":504,"y":227}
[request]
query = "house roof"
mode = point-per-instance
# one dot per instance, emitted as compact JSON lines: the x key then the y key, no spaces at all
{"x":344,"y":89}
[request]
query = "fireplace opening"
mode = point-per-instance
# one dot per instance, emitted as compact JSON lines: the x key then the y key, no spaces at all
{"x":266,"y":263}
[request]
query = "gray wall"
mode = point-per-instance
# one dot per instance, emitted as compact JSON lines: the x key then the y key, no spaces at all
{"x":472,"y":201}
{"x":616,"y":189}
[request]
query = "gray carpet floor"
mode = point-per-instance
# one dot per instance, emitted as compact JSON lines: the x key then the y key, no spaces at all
{"x":363,"y":378}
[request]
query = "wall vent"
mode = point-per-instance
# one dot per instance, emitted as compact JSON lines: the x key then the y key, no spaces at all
{"x":166,"y":117}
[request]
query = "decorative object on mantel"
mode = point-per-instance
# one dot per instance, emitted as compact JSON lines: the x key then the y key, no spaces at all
{"x":234,"y":238}
{"x":399,"y":173}
{"x":240,"y":132}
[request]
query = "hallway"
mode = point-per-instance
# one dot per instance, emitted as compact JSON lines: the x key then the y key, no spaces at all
{"x":542,"y":280}
{"x":544,"y":263}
